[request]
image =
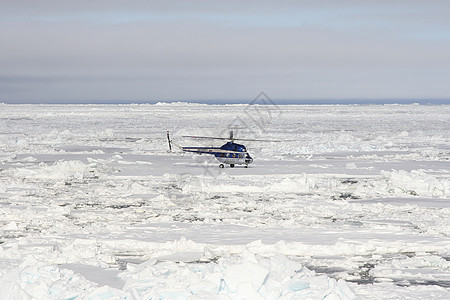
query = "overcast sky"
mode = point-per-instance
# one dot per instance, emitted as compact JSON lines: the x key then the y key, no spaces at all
{"x":117,"y":50}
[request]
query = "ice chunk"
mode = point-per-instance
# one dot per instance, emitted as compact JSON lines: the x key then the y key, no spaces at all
{"x":10,"y":226}
{"x":105,"y":292}
{"x":297,"y":285}
{"x":344,"y":290}
{"x":351,"y":166}
{"x":167,"y":292}
{"x":202,"y":295}
{"x":245,"y":272}
{"x":246,"y":290}
{"x":10,"y":287}
{"x":281,"y":267}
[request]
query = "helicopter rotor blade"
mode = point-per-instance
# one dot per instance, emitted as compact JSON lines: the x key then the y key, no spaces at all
{"x":227,"y":139}
{"x":204,"y":137}
{"x":256,"y":140}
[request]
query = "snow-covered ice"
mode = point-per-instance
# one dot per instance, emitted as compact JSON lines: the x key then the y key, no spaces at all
{"x":354,"y":203}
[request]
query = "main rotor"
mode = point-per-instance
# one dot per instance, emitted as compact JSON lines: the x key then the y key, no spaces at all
{"x":230,"y":138}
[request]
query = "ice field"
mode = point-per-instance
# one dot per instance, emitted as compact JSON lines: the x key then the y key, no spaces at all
{"x":354,"y":203}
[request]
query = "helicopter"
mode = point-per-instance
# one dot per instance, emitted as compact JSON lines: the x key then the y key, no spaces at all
{"x":230,"y":153}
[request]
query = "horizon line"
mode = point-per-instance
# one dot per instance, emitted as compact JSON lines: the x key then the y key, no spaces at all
{"x":440,"y":101}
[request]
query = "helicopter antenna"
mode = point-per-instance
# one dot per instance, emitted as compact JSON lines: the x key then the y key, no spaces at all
{"x":231,"y":136}
{"x":170,"y":142}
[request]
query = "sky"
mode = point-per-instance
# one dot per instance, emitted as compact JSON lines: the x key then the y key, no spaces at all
{"x":108,"y":51}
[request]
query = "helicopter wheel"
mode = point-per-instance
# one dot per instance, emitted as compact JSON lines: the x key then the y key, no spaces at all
{"x":221,"y":166}
{"x":231,"y":165}
{"x":246,"y":166}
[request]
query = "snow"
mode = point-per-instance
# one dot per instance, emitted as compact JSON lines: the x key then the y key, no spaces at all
{"x":354,"y":203}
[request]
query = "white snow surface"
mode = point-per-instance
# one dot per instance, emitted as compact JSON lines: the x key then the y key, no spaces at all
{"x":353,"y":203}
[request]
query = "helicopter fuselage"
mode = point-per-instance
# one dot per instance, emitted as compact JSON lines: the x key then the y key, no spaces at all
{"x":229,"y":153}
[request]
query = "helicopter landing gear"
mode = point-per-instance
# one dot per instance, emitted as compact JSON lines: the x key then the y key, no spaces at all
{"x":246,"y":166}
{"x":221,"y":166}
{"x":231,"y":165}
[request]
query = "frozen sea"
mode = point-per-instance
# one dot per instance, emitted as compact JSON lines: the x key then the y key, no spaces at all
{"x":353,"y":203}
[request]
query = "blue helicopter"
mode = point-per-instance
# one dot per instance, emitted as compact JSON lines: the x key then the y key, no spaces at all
{"x":229,"y":153}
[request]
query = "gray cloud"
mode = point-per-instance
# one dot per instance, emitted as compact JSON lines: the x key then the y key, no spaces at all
{"x":113,"y":50}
